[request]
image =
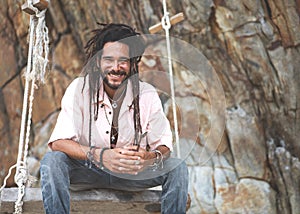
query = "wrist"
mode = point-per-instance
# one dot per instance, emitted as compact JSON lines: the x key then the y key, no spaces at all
{"x":158,"y":160}
{"x":101,"y":165}
{"x":152,"y":155}
{"x":90,"y":156}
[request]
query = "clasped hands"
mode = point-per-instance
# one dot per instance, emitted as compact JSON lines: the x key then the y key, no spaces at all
{"x":127,"y":160}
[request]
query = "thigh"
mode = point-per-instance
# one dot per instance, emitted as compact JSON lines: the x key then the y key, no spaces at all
{"x":83,"y":177}
{"x":148,"y":178}
{"x":120,"y":183}
{"x":80,"y":176}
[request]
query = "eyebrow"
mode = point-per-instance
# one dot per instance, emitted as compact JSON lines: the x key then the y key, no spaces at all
{"x":120,"y":58}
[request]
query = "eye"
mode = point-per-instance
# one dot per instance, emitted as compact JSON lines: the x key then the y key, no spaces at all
{"x":123,"y":61}
{"x":108,"y":60}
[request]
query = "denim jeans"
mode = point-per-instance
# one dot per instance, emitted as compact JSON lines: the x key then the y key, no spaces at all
{"x":59,"y":173}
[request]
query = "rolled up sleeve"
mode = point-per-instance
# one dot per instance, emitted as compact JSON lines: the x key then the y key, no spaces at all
{"x":69,"y":121}
{"x":158,"y":127}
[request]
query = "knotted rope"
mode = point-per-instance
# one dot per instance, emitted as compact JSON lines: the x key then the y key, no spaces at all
{"x":166,"y":24}
{"x":36,"y":68}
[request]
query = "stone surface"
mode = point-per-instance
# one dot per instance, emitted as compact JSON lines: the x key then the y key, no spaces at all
{"x":249,"y":152}
{"x":286,"y":169}
{"x":253,"y":46}
{"x":92,"y":201}
{"x":248,"y":196}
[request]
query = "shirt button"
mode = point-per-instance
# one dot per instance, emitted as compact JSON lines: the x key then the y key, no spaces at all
{"x":107,"y":132}
{"x":109,"y":112}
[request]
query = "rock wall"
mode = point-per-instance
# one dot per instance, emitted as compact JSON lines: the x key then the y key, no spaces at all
{"x":252,"y":46}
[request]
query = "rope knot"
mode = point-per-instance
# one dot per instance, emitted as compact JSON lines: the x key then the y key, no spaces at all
{"x":21,"y":176}
{"x":165,"y":21}
{"x":40,"y":14}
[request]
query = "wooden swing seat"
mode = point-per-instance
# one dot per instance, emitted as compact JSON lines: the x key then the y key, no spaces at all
{"x":88,"y":201}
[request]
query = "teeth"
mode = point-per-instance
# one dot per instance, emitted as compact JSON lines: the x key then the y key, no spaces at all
{"x":116,"y":75}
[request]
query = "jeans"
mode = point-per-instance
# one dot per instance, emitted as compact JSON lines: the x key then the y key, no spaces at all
{"x":59,"y":173}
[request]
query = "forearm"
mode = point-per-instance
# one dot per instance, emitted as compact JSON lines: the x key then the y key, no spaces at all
{"x":71,"y":148}
{"x":165,"y":151}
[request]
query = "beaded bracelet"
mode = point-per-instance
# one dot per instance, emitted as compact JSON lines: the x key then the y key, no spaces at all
{"x":90,"y":156}
{"x":101,"y":166}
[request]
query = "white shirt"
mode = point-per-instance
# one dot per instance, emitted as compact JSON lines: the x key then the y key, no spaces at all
{"x":73,"y":120}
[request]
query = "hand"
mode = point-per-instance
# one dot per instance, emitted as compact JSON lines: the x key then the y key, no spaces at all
{"x":121,"y":160}
{"x":145,"y":158}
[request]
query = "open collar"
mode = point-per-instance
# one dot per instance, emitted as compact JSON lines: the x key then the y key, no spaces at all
{"x":127,"y":101}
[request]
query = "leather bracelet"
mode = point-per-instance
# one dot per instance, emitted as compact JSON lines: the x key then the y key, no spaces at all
{"x":101,"y":166}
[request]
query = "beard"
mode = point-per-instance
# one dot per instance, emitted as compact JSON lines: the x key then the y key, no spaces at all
{"x":106,"y":73}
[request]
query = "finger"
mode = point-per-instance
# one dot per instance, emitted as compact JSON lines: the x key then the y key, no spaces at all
{"x":127,"y":164}
{"x":121,"y":163}
{"x":123,"y":153}
{"x":132,"y":148}
{"x":127,"y":152}
{"x":130,"y":165}
{"x":124,"y":170}
{"x":132,"y":162}
{"x":132,"y":155}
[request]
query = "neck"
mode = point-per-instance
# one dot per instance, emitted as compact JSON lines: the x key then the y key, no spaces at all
{"x":114,"y":94}
{"x":109,"y":91}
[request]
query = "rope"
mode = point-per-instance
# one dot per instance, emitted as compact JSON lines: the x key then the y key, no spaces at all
{"x":36,"y":68}
{"x":166,"y":24}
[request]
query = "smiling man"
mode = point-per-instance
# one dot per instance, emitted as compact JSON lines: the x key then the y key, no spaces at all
{"x":112,"y":131}
{"x":115,"y":64}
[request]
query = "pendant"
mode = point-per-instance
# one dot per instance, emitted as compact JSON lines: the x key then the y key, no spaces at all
{"x":114,"y":104}
{"x":113,"y":138}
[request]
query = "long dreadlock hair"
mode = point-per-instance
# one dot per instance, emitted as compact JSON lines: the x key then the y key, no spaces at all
{"x":112,"y":33}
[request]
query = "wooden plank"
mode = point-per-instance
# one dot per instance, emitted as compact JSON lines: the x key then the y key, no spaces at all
{"x":173,"y":20}
{"x":88,"y":202}
{"x":40,"y":4}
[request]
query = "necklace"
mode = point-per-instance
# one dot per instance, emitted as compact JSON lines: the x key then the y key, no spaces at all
{"x":114,"y":103}
{"x":114,"y":131}
{"x":114,"y":123}
{"x":111,"y":125}
{"x":113,"y":137}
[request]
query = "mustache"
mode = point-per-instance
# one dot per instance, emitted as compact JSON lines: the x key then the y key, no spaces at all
{"x":113,"y":72}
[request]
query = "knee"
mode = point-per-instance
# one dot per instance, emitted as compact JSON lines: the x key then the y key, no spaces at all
{"x":54,"y":164}
{"x":178,"y":167}
{"x":182,"y":169}
{"x":53,"y":159}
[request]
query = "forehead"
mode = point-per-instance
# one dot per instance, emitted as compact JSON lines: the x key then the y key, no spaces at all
{"x":116,"y":49}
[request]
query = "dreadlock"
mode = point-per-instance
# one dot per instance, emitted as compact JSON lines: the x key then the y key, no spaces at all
{"x":112,"y":33}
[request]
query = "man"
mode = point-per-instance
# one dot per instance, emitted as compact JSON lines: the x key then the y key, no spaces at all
{"x":111,"y":131}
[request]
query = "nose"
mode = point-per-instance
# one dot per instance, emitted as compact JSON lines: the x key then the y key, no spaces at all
{"x":115,"y":65}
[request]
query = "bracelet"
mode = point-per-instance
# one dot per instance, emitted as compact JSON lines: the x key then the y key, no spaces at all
{"x":158,"y":154}
{"x":90,"y":156}
{"x":101,"y":166}
{"x":158,"y":163}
